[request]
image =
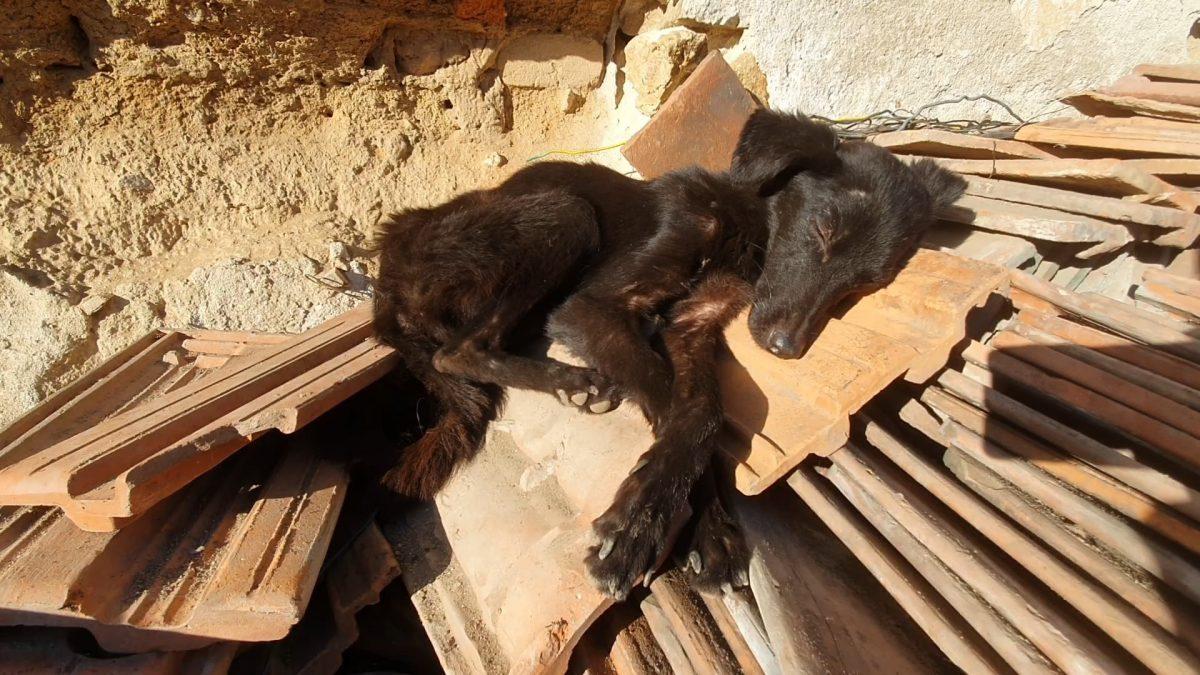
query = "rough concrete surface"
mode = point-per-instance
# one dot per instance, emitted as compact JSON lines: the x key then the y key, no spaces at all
{"x":193,"y":162}
{"x":270,"y":293}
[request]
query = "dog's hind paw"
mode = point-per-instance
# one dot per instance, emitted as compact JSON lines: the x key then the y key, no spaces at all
{"x":589,"y":391}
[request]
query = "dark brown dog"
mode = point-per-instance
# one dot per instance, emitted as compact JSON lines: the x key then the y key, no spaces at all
{"x":600,"y":261}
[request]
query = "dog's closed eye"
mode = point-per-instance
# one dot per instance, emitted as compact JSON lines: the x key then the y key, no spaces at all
{"x":826,"y":236}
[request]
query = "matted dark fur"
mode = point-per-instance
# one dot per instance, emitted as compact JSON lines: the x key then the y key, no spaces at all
{"x":594,"y":258}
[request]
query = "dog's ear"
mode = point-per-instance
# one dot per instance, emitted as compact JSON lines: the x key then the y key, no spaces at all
{"x":775,"y":146}
{"x":945,"y":187}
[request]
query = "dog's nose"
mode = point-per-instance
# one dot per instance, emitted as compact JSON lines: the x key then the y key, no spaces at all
{"x":781,"y":344}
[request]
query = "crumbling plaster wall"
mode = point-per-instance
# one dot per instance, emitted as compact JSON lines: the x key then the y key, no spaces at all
{"x":844,"y":58}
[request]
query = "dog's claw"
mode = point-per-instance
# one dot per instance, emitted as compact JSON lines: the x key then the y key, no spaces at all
{"x":606,"y":548}
{"x":562,"y":396}
{"x":721,"y":548}
{"x":594,"y":390}
{"x":695,"y":562}
{"x":600,"y":407}
{"x":641,"y":464}
{"x":579,"y":398}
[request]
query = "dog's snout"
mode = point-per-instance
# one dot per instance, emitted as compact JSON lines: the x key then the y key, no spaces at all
{"x":778,"y":334}
{"x":784,"y":345}
{"x":779,"y":343}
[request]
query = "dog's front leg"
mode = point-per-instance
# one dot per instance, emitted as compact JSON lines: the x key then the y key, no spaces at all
{"x":633,"y":535}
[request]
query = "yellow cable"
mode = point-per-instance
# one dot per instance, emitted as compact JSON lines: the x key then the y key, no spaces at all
{"x":575,"y":152}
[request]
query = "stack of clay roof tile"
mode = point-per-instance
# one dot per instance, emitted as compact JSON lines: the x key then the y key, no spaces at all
{"x":138,"y":504}
{"x":1050,"y":517}
{"x":1036,"y":506}
{"x":1084,"y":201}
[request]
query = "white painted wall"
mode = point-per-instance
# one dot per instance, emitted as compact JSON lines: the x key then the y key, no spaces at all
{"x":850,"y":57}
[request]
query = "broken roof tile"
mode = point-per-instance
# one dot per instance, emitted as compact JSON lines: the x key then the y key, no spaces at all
{"x":1168,"y":91}
{"x":1188,"y":72}
{"x":1179,"y":294}
{"x":156,"y":416}
{"x":711,"y":104}
{"x":1121,"y":318}
{"x":1037,"y":222}
{"x":1125,"y":104}
{"x":1182,"y":228}
{"x":1137,"y":136}
{"x":990,"y":247}
{"x":1174,"y":170}
{"x":1109,"y":176}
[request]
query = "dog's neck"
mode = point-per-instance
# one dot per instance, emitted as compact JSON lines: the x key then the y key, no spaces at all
{"x":744,"y":240}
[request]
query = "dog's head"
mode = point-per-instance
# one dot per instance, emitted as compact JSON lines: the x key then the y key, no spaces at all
{"x":843,"y":219}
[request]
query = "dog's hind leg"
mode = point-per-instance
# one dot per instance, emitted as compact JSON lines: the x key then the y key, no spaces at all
{"x":634,"y":533}
{"x":464,"y":409}
{"x":610,"y":339}
{"x":559,"y":241}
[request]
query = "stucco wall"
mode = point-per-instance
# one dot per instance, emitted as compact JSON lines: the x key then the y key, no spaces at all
{"x":850,"y":57}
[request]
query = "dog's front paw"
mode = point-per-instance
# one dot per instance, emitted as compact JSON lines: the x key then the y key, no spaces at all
{"x":589,"y":391}
{"x":716,"y":558}
{"x":634,"y":534}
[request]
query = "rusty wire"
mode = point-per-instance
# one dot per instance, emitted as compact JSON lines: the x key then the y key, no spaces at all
{"x":901,"y":119}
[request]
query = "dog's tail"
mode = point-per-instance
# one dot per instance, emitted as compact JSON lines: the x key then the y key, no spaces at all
{"x":464,"y":410}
